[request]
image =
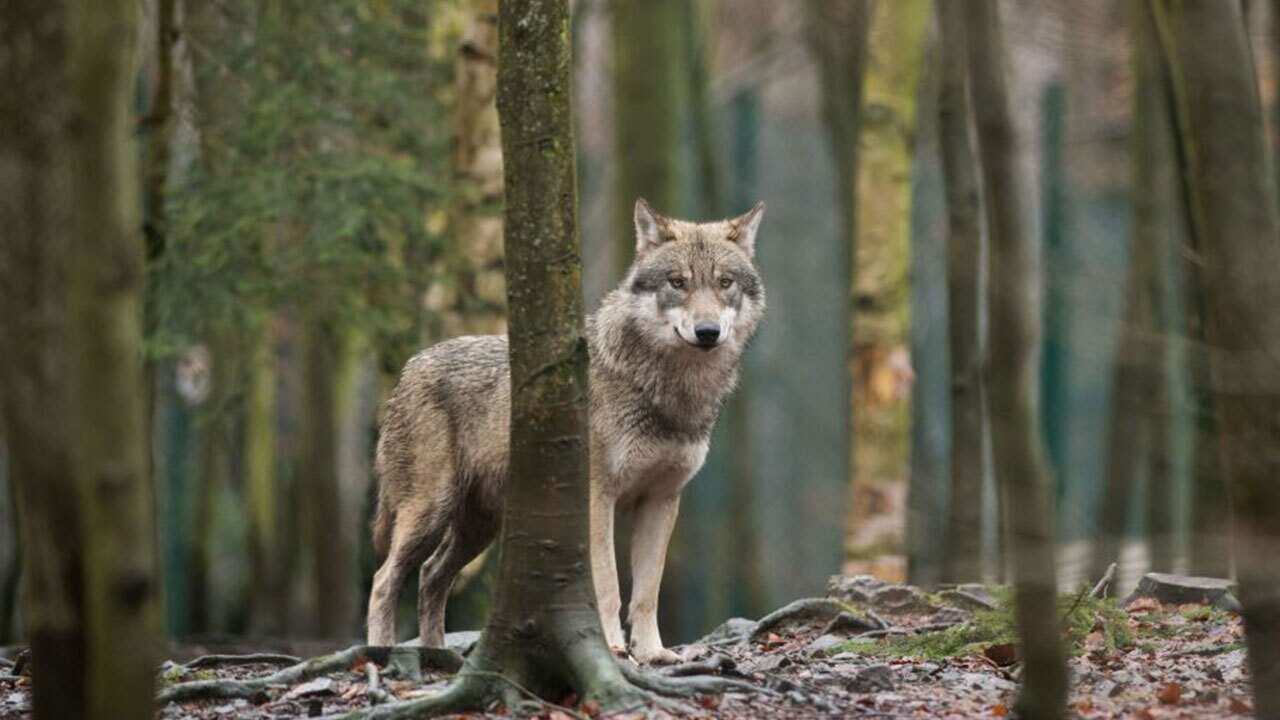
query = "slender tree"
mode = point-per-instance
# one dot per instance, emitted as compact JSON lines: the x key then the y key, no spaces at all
{"x":838,"y":34}
{"x":1138,"y":425}
{"x":1231,"y":194}
{"x":105,"y":285}
{"x":1015,"y":326}
{"x":962,"y":560}
{"x":543,"y":635}
{"x":647,"y":118}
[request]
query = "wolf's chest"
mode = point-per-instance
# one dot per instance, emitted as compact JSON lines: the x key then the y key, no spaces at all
{"x":638,"y":466}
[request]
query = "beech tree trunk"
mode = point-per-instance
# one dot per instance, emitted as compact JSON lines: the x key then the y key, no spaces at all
{"x":1233,"y":206}
{"x":1015,"y":333}
{"x":962,"y":559}
{"x":109,"y":427}
{"x":838,"y":34}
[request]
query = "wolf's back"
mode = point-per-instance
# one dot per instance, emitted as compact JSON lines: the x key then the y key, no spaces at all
{"x":445,"y":427}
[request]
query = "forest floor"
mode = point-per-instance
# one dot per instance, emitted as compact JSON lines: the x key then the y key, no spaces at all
{"x":867,"y":650}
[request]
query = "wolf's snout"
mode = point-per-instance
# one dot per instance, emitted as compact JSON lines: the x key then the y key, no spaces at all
{"x":707,"y":332}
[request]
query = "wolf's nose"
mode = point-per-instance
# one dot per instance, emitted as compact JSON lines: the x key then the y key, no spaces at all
{"x":707,"y":332}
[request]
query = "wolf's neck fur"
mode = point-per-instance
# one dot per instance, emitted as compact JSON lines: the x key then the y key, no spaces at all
{"x":669,"y":391}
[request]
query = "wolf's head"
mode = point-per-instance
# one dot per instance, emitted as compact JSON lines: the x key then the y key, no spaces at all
{"x":693,"y":286}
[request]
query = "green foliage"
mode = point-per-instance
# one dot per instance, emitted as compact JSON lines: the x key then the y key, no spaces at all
{"x":998,"y":626}
{"x":321,"y":147}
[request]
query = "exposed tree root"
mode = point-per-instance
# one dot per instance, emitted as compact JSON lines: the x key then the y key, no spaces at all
{"x":686,"y":686}
{"x":345,"y":659}
{"x":208,"y":661}
{"x":803,"y":609}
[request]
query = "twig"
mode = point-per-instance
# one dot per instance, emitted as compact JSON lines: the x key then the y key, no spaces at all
{"x":715,"y":664}
{"x":377,"y":696}
{"x":207,"y":661}
{"x":1108,"y":577}
{"x":1096,"y":592}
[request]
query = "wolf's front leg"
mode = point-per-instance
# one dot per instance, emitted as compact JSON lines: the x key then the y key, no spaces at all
{"x":655,"y":518}
{"x":604,"y":569}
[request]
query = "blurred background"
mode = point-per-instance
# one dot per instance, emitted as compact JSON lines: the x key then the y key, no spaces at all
{"x":323,"y":197}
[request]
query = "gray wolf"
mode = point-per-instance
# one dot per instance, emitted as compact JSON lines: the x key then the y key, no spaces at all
{"x":665,"y":349}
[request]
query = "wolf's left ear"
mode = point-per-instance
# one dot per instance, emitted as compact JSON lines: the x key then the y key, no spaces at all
{"x":743,"y":228}
{"x":649,"y":226}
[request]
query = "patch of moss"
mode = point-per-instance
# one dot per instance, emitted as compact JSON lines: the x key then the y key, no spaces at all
{"x":998,"y":626}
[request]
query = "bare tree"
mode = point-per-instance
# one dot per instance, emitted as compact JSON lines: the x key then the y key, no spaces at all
{"x":1015,"y":328}
{"x":1232,"y":203}
{"x":962,"y":561}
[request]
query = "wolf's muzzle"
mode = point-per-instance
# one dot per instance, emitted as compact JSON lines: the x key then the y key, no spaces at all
{"x":707,"y":332}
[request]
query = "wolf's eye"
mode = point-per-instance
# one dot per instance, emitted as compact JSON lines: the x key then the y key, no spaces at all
{"x":726,"y":282}
{"x":677,"y":282}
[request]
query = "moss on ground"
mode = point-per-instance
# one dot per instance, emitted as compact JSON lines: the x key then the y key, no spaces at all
{"x":995,"y":627}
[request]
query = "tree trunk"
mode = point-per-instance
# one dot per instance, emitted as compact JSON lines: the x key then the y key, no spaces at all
{"x":648,"y":98}
{"x":881,"y":284}
{"x":37,"y":164}
{"x":962,"y":559}
{"x":110,"y":458}
{"x":1139,"y":422}
{"x":838,"y":32}
{"x":544,"y":630}
{"x":331,"y":568}
{"x":1015,"y":328}
{"x":1233,"y":205}
{"x":9,"y":632}
{"x":268,"y":592}
{"x":475,"y":304}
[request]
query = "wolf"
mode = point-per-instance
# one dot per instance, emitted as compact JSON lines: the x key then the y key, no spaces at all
{"x":665,"y":349}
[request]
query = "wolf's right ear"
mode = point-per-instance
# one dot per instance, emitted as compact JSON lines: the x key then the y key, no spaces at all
{"x":649,"y":227}
{"x":743,"y":228}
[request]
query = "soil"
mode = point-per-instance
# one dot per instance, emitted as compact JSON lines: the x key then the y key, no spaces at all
{"x":924,"y":656}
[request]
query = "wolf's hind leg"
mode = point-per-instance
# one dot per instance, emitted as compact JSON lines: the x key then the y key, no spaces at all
{"x":437,"y":574}
{"x":411,"y":541}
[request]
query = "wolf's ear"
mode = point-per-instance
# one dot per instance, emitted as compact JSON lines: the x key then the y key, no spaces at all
{"x":743,"y":228}
{"x":649,"y":227}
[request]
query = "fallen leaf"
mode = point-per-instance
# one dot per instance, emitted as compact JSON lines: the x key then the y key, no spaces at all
{"x":1170,"y":694}
{"x":1003,"y":654}
{"x":999,"y":710}
{"x":1144,"y":714}
{"x":1143,"y":605}
{"x":559,"y":715}
{"x":710,"y":702}
{"x":1240,"y":707}
{"x":590,"y":708}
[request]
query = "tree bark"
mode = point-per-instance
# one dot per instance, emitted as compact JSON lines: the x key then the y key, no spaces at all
{"x":648,"y":97}
{"x":36,"y":169}
{"x":1013,"y":391}
{"x":332,"y":572}
{"x":544,"y":630}
{"x":1138,"y":425}
{"x":962,"y":559}
{"x":838,"y":36}
{"x":1233,"y":206}
{"x":476,"y":303}
{"x":105,"y":293}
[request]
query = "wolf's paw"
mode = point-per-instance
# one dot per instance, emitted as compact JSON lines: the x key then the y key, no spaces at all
{"x":618,"y":650}
{"x":655,"y":656}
